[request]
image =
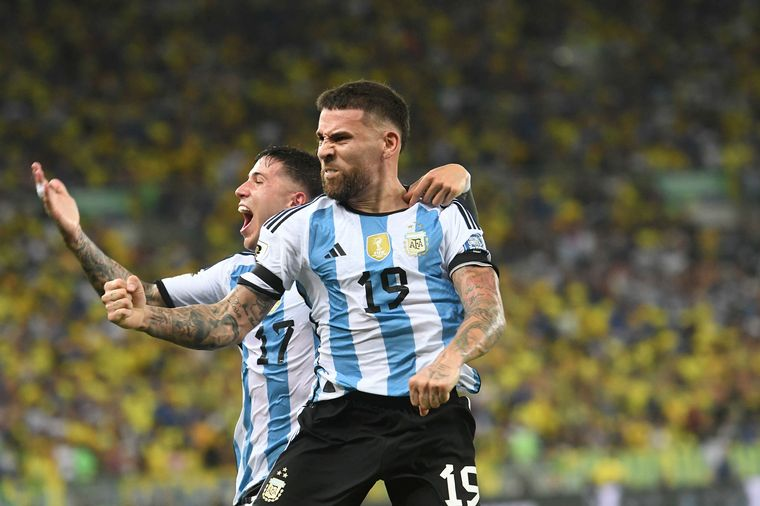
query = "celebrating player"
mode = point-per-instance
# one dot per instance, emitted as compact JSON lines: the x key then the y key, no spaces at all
{"x":402,"y":298}
{"x":278,"y":355}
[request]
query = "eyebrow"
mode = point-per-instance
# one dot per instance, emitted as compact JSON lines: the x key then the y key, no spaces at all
{"x":336,"y":133}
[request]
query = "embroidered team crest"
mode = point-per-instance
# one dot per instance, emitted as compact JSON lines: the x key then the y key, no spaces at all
{"x":475,"y":242}
{"x":275,"y":486}
{"x":261,"y":249}
{"x":378,"y":246}
{"x":416,"y":243}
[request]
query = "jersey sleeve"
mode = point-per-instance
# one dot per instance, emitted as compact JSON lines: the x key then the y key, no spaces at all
{"x":463,"y":242}
{"x":279,"y":255}
{"x":206,"y":286}
{"x":467,"y":199}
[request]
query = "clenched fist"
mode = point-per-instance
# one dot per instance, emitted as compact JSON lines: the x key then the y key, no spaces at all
{"x":125,"y":302}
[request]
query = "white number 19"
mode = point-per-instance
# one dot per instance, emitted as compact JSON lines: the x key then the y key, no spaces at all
{"x":448,"y":475}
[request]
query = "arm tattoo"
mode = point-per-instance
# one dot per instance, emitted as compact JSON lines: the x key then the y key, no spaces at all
{"x":208,"y":327}
{"x":100,"y":268}
{"x":484,"y":313}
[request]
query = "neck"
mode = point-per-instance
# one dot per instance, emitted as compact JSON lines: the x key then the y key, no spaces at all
{"x":380,"y":198}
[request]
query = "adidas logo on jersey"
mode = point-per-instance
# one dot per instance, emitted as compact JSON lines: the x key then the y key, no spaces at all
{"x":336,"y":251}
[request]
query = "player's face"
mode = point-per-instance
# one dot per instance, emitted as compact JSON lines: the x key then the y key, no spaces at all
{"x":267,"y":191}
{"x":350,"y":147}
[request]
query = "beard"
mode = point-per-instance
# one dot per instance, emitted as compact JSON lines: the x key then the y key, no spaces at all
{"x":345,"y":185}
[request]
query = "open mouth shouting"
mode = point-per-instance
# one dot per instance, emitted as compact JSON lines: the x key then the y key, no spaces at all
{"x":247,"y":217}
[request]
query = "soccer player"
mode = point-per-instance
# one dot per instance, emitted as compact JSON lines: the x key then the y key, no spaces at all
{"x":278,"y":355}
{"x":402,"y":298}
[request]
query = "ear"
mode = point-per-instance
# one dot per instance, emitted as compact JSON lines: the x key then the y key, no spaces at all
{"x":392,"y":143}
{"x":297,"y":199}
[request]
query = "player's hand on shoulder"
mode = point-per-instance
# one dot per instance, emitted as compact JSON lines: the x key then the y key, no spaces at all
{"x":58,"y":203}
{"x":125,"y":302}
{"x":439,"y":186}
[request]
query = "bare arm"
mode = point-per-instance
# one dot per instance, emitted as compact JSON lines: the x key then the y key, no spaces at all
{"x":101,"y":268}
{"x":63,"y":209}
{"x":483,"y":324}
{"x":478,"y":288}
{"x":201,"y":327}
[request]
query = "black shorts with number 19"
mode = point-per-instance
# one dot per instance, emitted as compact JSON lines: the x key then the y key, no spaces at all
{"x":346,"y":445}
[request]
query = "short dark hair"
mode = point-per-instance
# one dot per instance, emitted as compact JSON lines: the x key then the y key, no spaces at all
{"x":372,"y":97}
{"x":302,"y":167}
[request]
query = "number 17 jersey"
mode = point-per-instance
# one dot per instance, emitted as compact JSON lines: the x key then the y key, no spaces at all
{"x":277,"y":369}
{"x":378,"y":285}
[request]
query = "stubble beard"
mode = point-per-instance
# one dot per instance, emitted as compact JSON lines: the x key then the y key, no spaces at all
{"x":345,"y":186}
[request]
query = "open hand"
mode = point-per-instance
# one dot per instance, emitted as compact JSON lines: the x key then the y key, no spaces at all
{"x":58,"y":203}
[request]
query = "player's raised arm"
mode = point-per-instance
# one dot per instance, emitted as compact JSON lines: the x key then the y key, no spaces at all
{"x":63,"y":209}
{"x":202,"y":327}
{"x":439,"y":186}
{"x":484,"y":322}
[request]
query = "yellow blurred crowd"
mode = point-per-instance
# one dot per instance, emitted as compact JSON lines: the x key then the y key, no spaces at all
{"x":634,"y":319}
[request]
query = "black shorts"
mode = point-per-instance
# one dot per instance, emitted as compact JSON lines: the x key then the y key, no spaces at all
{"x":346,"y":445}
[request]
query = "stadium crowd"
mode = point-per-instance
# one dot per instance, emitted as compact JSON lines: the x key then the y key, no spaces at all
{"x":633,"y":310}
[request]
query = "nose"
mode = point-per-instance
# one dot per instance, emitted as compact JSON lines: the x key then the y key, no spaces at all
{"x":325,"y":151}
{"x":242,"y":190}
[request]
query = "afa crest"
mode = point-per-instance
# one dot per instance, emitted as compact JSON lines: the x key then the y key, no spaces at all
{"x":416,"y":243}
{"x":274,"y":486}
{"x":378,"y":246}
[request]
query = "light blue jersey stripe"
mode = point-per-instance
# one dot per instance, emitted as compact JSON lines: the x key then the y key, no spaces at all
{"x":276,"y":374}
{"x":243,"y":458}
{"x":441,"y":291}
{"x":237,"y":272}
{"x":321,"y":239}
{"x":240,"y":458}
{"x":395,"y":326}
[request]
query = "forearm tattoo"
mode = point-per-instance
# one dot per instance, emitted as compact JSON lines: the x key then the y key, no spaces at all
{"x":100,"y":268}
{"x":484,"y":313}
{"x":208,"y":327}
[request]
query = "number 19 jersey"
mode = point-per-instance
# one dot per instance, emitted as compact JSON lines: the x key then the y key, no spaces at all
{"x":378,"y":284}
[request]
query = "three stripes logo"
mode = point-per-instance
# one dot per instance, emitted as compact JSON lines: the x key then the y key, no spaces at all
{"x":335,"y":251}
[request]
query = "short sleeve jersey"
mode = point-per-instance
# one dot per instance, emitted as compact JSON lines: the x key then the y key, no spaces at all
{"x":378,"y":284}
{"x":277,"y":368}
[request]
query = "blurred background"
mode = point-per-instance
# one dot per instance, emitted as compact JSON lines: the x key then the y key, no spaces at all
{"x":614,"y":154}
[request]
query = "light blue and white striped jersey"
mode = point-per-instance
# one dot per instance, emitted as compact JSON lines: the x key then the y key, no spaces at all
{"x":378,"y":284}
{"x":277,"y":369}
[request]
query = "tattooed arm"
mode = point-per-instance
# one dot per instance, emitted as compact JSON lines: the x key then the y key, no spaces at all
{"x":484,"y":322}
{"x":201,"y":327}
{"x":101,"y":268}
{"x":63,"y":209}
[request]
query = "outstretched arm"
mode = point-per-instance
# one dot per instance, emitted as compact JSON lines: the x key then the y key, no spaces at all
{"x":484,"y":322}
{"x":63,"y":209}
{"x":201,"y":327}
